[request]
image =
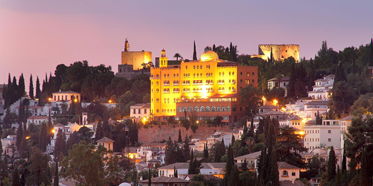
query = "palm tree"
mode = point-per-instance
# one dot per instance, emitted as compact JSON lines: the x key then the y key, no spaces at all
{"x":177,"y":56}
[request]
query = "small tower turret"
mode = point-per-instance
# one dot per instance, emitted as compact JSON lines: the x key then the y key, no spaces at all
{"x":126,"y":46}
{"x":163,"y":62}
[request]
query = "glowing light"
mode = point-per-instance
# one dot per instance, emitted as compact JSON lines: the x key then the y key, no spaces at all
{"x":53,"y":131}
{"x":109,"y":100}
{"x":49,"y":99}
{"x":275,"y":102}
{"x":27,"y":137}
{"x":130,"y":155}
{"x":304,"y":120}
{"x":75,"y":100}
{"x":263,"y":98}
{"x":144,"y":120}
{"x":301,"y":133}
{"x":283,"y":109}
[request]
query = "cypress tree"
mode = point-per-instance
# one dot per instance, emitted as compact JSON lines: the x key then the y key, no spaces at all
{"x":339,"y":74}
{"x":186,"y":148}
{"x":21,"y":86}
{"x":371,"y":53}
{"x":105,"y":125}
{"x":344,"y":165}
{"x":233,"y":140}
{"x":175,"y":172}
{"x":150,"y":178}
{"x":205,"y":152}
{"x":235,"y":176}
{"x":179,"y":139}
{"x":364,"y":176}
{"x":191,"y":168}
{"x":292,"y":80}
{"x":194,"y":52}
{"x":23,"y":147}
{"x":37,"y":91}
{"x":331,"y":165}
{"x":31,"y":88}
{"x":99,"y":130}
{"x":56,"y":177}
{"x":274,"y":177}
{"x":60,"y":145}
{"x":338,"y":177}
{"x":19,"y":136}
{"x":16,"y":181}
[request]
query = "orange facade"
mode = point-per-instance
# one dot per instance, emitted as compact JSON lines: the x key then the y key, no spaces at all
{"x":209,"y":86}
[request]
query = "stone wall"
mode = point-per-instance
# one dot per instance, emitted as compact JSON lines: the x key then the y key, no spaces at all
{"x":159,"y":133}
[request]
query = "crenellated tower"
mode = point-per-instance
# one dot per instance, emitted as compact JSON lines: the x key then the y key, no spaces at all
{"x":163,"y":62}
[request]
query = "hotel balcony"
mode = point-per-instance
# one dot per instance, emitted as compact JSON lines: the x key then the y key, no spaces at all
{"x":220,"y":83}
{"x":166,"y":84}
{"x":175,"y":84}
{"x":166,"y":92}
{"x":175,"y":91}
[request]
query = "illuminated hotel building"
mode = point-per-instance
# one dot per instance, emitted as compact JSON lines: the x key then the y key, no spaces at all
{"x":210,"y":86}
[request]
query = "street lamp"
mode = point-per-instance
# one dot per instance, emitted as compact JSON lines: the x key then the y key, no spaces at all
{"x":275,"y":102}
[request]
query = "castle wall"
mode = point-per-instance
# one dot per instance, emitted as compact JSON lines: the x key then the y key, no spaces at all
{"x":136,"y":58}
{"x":159,"y":133}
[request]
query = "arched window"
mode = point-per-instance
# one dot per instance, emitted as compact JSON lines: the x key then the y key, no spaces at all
{"x":228,"y":108}
{"x":168,"y":100}
{"x":157,"y":75}
{"x":285,"y":173}
{"x":213,"y":109}
{"x":178,"y":109}
{"x":234,"y":108}
{"x":190,"y":108}
{"x":223,"y":109}
{"x":157,"y":110}
{"x":157,"y":100}
{"x":184,"y":109}
{"x":202,"y":109}
{"x":196,"y":108}
{"x":217,"y":109}
{"x":207,"y":109}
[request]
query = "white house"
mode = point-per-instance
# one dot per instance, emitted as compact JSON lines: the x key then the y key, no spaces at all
{"x":37,"y":120}
{"x":288,"y":172}
{"x":311,"y":109}
{"x":322,"y":88}
{"x":182,"y":169}
{"x":140,"y":110}
{"x":9,"y":145}
{"x":251,"y":159}
{"x":66,"y":96}
{"x":327,"y":134}
{"x":281,"y":82}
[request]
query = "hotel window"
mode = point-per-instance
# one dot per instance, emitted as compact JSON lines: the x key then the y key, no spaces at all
{"x":219,"y":74}
{"x":223,"y":109}
{"x":174,"y":75}
{"x":217,"y":109}
{"x":157,"y":75}
{"x":157,"y":100}
{"x":194,"y":75}
{"x":232,"y":73}
{"x":157,"y":90}
{"x":207,"y":109}
{"x":234,"y":108}
{"x":200,"y":67}
{"x":184,"y":109}
{"x":329,"y":139}
{"x":196,"y":108}
{"x":168,"y":100}
{"x":240,"y":80}
{"x":186,"y":67}
{"x":240,"y":73}
{"x":165,"y":76}
{"x":213,"y":109}
{"x":202,"y":109}
{"x":178,"y":109}
{"x":168,"y":75}
{"x":157,"y":110}
{"x":177,"y":75}
{"x":157,"y":83}
{"x":228,"y":108}
{"x":329,"y":131}
{"x":194,"y":66}
{"x":223,"y":74}
{"x":190,"y":109}
{"x":253,"y":73}
{"x":164,"y":100}
{"x":252,"y":81}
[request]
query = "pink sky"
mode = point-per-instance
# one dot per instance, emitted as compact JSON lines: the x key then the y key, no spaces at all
{"x":36,"y":36}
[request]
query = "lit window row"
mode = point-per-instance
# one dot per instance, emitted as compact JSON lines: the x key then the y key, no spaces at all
{"x":204,"y":109}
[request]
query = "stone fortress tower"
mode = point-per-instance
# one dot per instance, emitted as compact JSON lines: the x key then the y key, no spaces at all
{"x":279,"y":52}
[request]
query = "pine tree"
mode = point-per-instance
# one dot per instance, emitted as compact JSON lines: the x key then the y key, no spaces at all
{"x":56,"y":177}
{"x":16,"y":181}
{"x":31,"y":88}
{"x":179,"y":139}
{"x":331,"y":165}
{"x":364,"y":175}
{"x":194,"y":52}
{"x":37,"y":91}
